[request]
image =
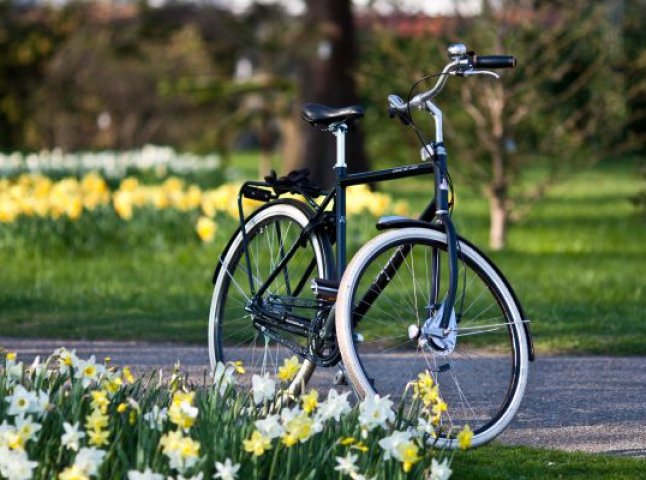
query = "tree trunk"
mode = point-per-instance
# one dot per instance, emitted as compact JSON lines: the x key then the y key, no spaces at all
{"x":497,"y":217}
{"x":326,"y":77}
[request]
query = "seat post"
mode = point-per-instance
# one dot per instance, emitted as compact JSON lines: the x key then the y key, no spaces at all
{"x":340,"y":130}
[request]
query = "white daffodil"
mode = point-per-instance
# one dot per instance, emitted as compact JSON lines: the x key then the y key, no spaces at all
{"x":223,"y":376}
{"x":15,"y":465}
{"x":40,"y":404}
{"x":334,"y":406}
{"x":425,"y":428}
{"x":392,"y":442}
{"x":36,"y":368}
{"x":88,"y":371}
{"x":440,"y":471}
{"x":347,"y":465}
{"x":26,"y":428}
{"x":375,"y":411}
{"x":264,"y":388}
{"x":147,"y":474}
{"x":72,"y":436}
{"x":5,"y":431}
{"x":13,"y":370}
{"x":270,"y":426}
{"x":156,"y":418}
{"x":20,"y":401}
{"x":89,"y":460}
{"x":67,"y":361}
{"x":227,"y":470}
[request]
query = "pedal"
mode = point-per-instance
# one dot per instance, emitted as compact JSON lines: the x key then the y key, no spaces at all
{"x":325,"y":289}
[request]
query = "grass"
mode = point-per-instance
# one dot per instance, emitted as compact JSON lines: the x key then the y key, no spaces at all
{"x":499,"y":462}
{"x":577,"y":263}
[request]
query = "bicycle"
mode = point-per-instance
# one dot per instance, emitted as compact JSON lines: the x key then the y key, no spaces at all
{"x":416,"y":298}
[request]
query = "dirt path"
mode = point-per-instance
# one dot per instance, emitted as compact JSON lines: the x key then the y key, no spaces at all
{"x":589,"y":403}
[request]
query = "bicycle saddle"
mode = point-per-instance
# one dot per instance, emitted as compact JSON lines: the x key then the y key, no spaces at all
{"x":322,"y":115}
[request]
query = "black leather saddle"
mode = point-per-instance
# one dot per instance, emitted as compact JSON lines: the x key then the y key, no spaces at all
{"x":324,"y":116}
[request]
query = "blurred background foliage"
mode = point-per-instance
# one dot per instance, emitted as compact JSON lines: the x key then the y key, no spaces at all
{"x":203,"y":78}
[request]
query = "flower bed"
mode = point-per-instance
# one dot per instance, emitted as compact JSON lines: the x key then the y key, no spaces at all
{"x":72,"y":418}
{"x":36,"y":205}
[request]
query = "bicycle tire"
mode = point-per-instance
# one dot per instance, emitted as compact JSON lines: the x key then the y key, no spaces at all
{"x":482,"y":380}
{"x":295,"y":216}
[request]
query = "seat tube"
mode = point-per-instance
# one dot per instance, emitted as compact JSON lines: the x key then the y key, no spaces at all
{"x":340,"y":166}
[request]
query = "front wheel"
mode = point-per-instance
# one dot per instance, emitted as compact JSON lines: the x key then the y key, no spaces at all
{"x":480,"y":368}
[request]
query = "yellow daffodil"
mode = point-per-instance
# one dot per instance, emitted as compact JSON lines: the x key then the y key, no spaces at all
{"x":310,"y":401}
{"x":127,"y":375}
{"x":408,"y":453}
{"x":206,"y":229}
{"x":96,"y":420}
{"x":73,"y":472}
{"x":100,"y":400}
{"x":289,"y":369}
{"x":98,"y":437}
{"x":257,"y":444}
{"x":465,"y":437}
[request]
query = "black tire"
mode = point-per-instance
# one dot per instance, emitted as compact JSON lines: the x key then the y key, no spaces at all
{"x":232,"y":335}
{"x":482,"y":380}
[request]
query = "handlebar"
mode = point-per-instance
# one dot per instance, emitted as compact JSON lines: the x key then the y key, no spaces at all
{"x":464,"y":64}
{"x":494,"y":61}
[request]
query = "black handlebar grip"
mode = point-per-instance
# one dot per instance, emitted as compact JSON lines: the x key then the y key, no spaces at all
{"x":494,"y":61}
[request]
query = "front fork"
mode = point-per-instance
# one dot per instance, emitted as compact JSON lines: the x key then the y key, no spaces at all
{"x":442,"y":214}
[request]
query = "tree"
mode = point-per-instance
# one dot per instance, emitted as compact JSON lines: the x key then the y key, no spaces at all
{"x":327,"y":77}
{"x":559,"y":110}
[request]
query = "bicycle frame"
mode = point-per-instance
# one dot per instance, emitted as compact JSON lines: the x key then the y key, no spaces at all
{"x":437,"y":208}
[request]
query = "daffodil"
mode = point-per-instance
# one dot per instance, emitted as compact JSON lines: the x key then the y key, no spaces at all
{"x":205,"y":228}
{"x":334,"y":406}
{"x":309,"y":401}
{"x":89,"y":459}
{"x":26,"y":428}
{"x":156,"y":417}
{"x":72,"y":436}
{"x":297,"y":429}
{"x":408,"y":454}
{"x":182,"y":451}
{"x":465,"y":437}
{"x":98,"y":437}
{"x":270,"y":427}
{"x":100,"y":400}
{"x":227,"y":470}
{"x":263,"y":388}
{"x":347,"y":465}
{"x":257,"y":444}
{"x":88,"y":371}
{"x":440,"y":471}
{"x":147,"y":474}
{"x":289,"y":369}
{"x":375,"y":411}
{"x":15,"y":464}
{"x":182,"y":412}
{"x":20,"y":401}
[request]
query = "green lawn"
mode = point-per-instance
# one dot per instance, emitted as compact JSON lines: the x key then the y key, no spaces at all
{"x":577,"y":263}
{"x":521,"y":463}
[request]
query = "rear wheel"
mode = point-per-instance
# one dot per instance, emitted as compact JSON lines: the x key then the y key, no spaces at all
{"x":271,"y":232}
{"x":481,"y":370}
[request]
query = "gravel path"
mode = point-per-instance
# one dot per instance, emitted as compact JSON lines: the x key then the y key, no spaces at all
{"x":587,"y":403}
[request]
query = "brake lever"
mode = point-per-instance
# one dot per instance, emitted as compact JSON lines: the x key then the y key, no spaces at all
{"x":473,"y":73}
